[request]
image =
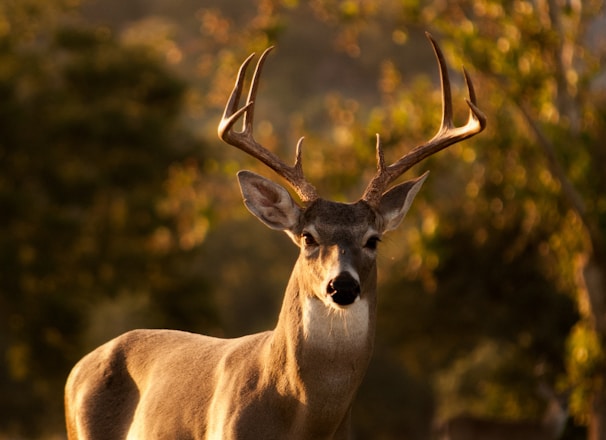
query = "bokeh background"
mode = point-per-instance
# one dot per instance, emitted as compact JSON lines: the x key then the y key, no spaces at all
{"x":119,"y":207}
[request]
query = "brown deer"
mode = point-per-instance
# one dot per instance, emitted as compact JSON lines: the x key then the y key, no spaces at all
{"x":297,"y":381}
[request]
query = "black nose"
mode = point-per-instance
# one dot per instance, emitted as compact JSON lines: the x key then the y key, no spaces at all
{"x":344,"y":289}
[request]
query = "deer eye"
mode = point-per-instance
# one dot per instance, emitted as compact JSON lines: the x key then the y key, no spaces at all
{"x":309,"y":240}
{"x":372,"y":243}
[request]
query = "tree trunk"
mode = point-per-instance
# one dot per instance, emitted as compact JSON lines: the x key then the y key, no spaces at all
{"x":597,"y":423}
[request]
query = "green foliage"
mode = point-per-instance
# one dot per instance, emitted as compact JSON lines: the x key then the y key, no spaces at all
{"x":539,"y":57}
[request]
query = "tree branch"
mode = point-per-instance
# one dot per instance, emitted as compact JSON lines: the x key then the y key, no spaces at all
{"x":572,"y":196}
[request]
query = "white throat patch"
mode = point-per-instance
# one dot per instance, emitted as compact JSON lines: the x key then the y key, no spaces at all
{"x":335,"y":327}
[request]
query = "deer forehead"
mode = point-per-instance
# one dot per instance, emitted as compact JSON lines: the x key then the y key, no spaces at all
{"x":337,"y":221}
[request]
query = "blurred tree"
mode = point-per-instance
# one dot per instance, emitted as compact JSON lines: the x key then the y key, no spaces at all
{"x":89,"y":214}
{"x":541,"y":62}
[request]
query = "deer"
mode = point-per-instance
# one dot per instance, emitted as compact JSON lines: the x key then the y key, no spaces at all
{"x":299,"y":380}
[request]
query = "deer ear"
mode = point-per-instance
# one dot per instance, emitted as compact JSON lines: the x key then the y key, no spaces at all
{"x":395,"y":203}
{"x":268,"y":201}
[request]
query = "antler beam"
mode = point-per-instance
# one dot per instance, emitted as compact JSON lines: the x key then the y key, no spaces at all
{"x":447,"y":135}
{"x":245,"y":141}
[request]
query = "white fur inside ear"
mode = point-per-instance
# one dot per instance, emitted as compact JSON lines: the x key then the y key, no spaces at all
{"x":268,"y":201}
{"x":396,"y":202}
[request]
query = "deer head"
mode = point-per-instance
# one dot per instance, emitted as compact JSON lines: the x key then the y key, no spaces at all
{"x":316,"y":224}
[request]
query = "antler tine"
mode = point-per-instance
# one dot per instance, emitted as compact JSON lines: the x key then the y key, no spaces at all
{"x":448,"y":134}
{"x":245,"y":141}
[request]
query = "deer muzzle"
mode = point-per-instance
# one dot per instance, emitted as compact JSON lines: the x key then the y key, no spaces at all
{"x":343,"y":289}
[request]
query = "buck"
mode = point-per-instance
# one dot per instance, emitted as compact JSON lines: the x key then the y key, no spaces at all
{"x":299,"y":380}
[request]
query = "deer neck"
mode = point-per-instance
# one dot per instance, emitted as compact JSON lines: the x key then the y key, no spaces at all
{"x":323,"y":352}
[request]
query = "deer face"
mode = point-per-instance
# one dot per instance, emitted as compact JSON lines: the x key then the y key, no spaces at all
{"x":338,"y":246}
{"x":338,"y":241}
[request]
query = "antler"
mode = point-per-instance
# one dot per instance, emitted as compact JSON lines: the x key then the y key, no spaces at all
{"x":245,"y":141}
{"x":447,"y":135}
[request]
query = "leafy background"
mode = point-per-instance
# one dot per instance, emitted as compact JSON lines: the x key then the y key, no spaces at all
{"x":119,"y":207}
